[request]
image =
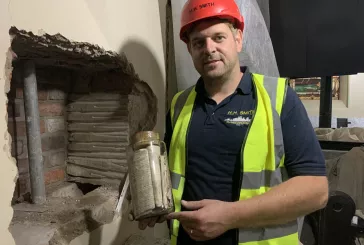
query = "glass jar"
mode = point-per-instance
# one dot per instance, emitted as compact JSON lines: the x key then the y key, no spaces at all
{"x":150,"y":182}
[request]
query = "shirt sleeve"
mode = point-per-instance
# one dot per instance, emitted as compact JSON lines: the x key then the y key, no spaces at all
{"x":303,"y":154}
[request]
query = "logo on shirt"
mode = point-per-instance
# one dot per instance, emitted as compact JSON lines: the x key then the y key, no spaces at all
{"x":241,"y":113}
{"x":238,"y":121}
{"x":241,"y":117}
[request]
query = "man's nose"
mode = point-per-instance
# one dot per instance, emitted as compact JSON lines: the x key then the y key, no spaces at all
{"x":210,"y":46}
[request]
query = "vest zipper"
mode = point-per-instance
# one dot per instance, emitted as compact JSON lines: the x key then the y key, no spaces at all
{"x":246,"y":136}
{"x":186,"y":148}
{"x":241,"y":155}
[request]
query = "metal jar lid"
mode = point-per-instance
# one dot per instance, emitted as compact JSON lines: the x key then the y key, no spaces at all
{"x":145,"y":136}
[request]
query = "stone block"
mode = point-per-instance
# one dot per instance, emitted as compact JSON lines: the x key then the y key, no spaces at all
{"x":85,"y":172}
{"x":94,"y":181}
{"x":54,"y":175}
{"x":53,"y":142}
{"x":54,"y":159}
{"x":98,"y":97}
{"x":55,"y":124}
{"x":99,"y":137}
{"x":97,"y":117}
{"x":64,"y":189}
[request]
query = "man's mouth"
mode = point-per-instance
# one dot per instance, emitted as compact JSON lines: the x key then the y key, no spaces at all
{"x":211,"y":62}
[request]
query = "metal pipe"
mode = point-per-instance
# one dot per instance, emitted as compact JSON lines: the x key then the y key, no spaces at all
{"x":325,"y":102}
{"x":33,"y":134}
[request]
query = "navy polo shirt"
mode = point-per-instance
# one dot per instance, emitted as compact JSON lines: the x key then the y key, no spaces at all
{"x":215,"y":138}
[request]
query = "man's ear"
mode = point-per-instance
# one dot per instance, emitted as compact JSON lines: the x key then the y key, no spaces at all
{"x":239,"y":40}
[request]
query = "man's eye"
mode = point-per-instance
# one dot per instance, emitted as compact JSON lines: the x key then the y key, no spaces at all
{"x":219,"y":38}
{"x":198,"y":44}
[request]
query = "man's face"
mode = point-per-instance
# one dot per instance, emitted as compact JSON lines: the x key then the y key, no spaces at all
{"x":214,"y":48}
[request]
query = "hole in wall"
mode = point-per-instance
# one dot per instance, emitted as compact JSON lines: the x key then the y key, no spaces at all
{"x":86,"y":188}
{"x":82,"y":104}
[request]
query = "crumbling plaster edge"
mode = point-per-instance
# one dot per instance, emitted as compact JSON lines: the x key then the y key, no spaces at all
{"x":9,"y":168}
{"x":8,"y":139}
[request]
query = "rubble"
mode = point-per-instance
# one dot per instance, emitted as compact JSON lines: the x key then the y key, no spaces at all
{"x":62,"y":219}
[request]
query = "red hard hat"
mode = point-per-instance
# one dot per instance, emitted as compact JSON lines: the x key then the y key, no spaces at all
{"x":195,"y":10}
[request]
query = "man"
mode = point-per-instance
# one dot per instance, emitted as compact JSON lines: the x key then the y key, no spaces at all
{"x":231,"y":138}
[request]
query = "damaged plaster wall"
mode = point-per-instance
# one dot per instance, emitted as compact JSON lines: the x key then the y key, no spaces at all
{"x":107,"y":24}
{"x":8,"y":171}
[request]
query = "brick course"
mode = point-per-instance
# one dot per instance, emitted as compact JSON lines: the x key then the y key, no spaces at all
{"x":51,"y":109}
{"x":53,"y":142}
{"x":18,"y":128}
{"x":54,"y":175}
{"x":54,"y":159}
{"x":42,"y":94}
{"x":52,"y":90}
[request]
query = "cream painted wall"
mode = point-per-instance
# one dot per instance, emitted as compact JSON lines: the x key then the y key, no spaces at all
{"x":8,"y":168}
{"x":132,"y":27}
{"x":356,"y":93}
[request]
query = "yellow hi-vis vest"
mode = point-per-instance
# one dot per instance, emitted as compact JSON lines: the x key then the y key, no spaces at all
{"x":262,"y":156}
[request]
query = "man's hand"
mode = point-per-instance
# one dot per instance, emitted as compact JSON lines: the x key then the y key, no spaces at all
{"x":151,"y":222}
{"x":143,"y":224}
{"x":204,"y":219}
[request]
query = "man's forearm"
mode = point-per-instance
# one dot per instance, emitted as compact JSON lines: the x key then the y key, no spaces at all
{"x":284,"y":203}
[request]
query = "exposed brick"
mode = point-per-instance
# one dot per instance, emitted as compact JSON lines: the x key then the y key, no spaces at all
{"x":18,"y":128}
{"x":19,"y":148}
{"x":51,"y":109}
{"x":23,"y":166}
{"x":15,"y":109}
{"x":55,"y":124}
{"x":56,"y":94}
{"x":42,"y":94}
{"x":54,"y":159}
{"x":54,"y":175}
{"x":23,"y":184}
{"x":53,"y":142}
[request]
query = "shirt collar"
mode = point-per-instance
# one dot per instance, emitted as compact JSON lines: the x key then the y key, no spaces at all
{"x":244,"y":87}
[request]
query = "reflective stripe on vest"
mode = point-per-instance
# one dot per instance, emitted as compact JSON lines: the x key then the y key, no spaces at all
{"x":262,"y":157}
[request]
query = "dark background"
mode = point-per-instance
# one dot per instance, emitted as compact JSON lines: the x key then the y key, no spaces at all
{"x":317,"y":37}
